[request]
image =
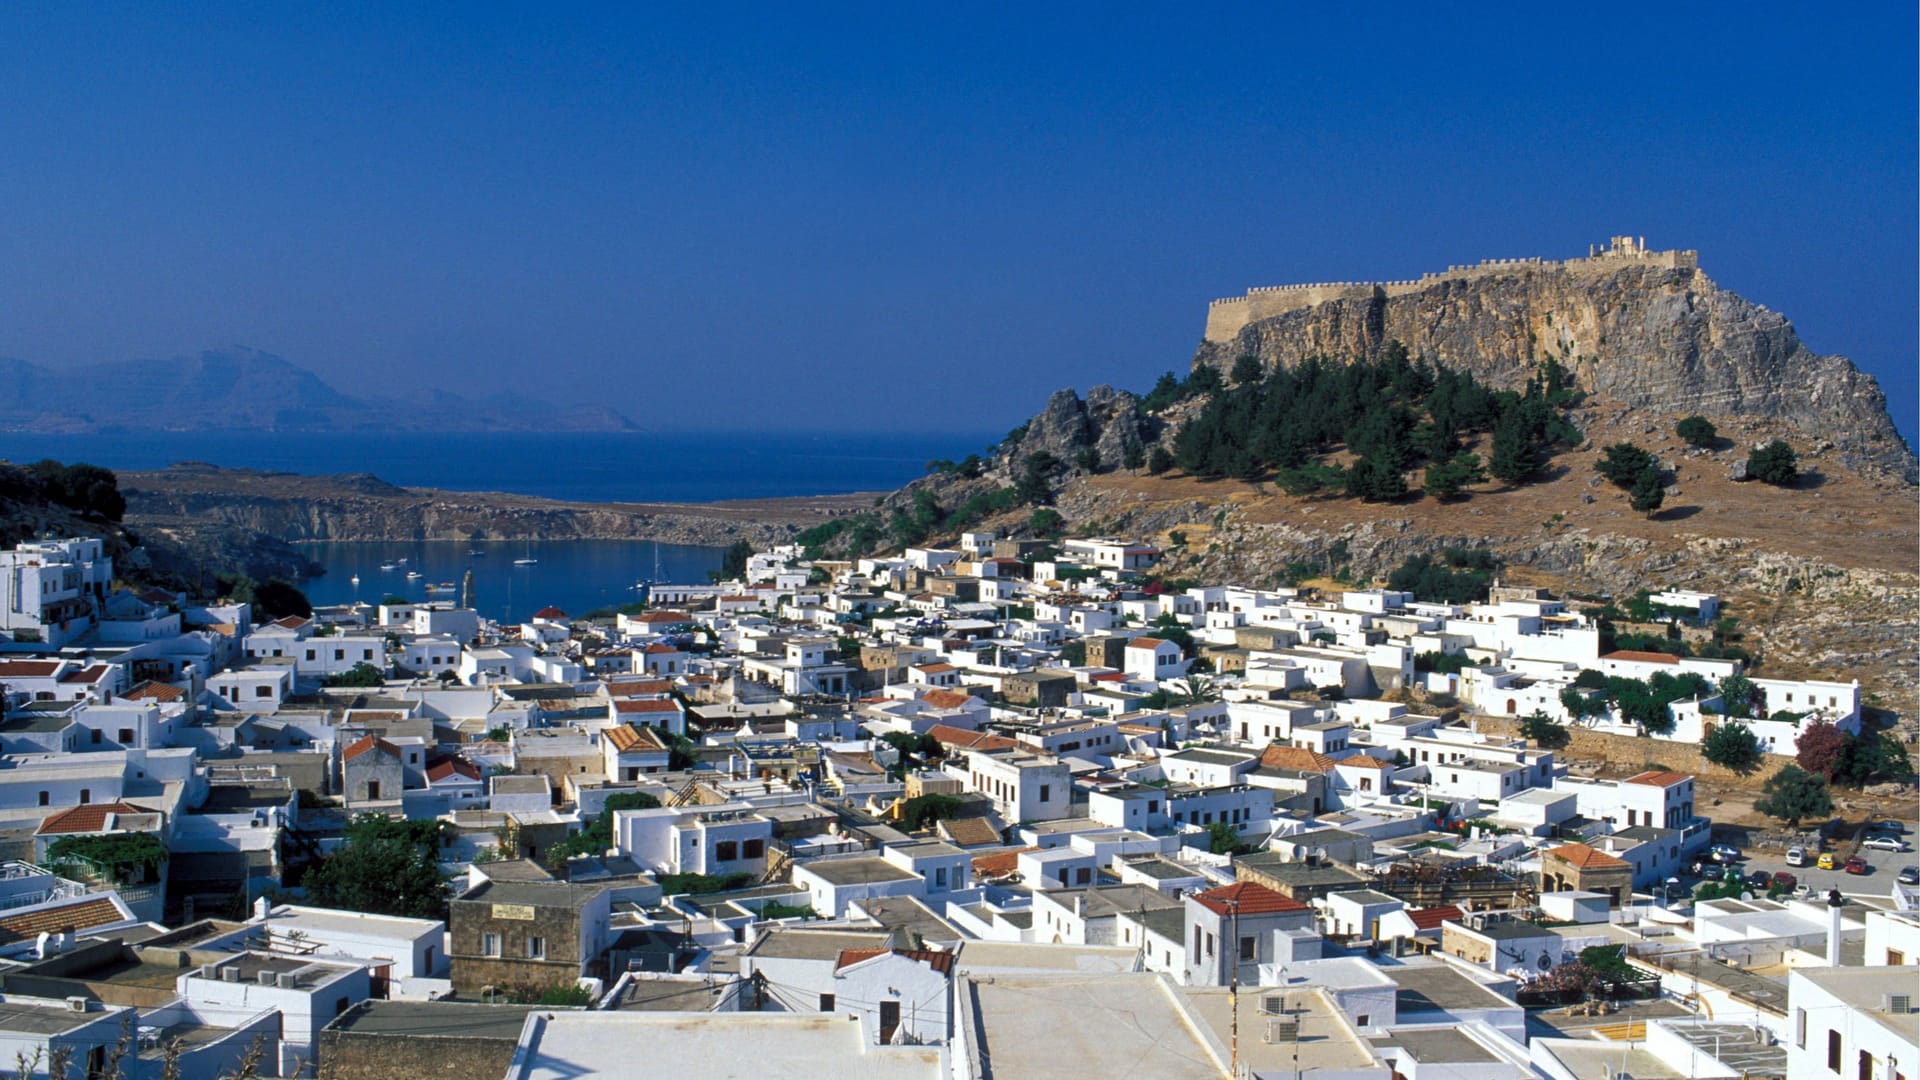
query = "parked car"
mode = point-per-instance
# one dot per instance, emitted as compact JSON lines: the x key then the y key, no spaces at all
{"x":1759,"y":880}
{"x":1723,"y":853}
{"x":1858,"y":865}
{"x":1891,"y":825}
{"x":1884,"y":843}
{"x":1676,"y":890}
{"x":1796,"y":856}
{"x":1826,"y":861}
{"x":1910,"y":875}
{"x":1784,"y":880}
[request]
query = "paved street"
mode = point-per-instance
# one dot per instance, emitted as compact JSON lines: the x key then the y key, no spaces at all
{"x":1885,"y":865}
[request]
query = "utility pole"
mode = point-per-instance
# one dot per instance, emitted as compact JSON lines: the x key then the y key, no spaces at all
{"x":1233,"y":987}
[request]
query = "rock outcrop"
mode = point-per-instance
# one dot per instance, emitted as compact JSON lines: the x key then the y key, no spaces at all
{"x":1656,"y":337}
{"x":1109,"y":421}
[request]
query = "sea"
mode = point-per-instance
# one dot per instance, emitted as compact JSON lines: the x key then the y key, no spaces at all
{"x":574,"y":575}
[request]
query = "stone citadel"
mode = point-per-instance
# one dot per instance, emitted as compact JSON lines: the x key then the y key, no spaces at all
{"x":1227,"y":317}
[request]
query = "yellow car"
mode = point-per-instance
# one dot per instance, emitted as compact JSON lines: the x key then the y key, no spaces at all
{"x":1825,"y":862}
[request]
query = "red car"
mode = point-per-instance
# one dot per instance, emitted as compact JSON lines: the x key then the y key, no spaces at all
{"x":1856,"y":865}
{"x":1784,"y":880}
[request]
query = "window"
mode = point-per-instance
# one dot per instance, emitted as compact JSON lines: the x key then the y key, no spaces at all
{"x":1361,"y":1020}
{"x":45,"y":798}
{"x":490,"y":944}
{"x":126,"y":736}
{"x":260,"y":691}
{"x":753,"y":849}
{"x":1196,"y":944}
{"x":725,"y":850}
{"x":340,"y":1006}
{"x":339,"y":654}
{"x":826,"y":1002}
{"x":536,"y":948}
{"x":940,"y":877}
{"x":366,"y":654}
{"x":1833,"y":1050}
{"x":86,"y":796}
{"x":312,"y":655}
{"x":1246,"y":950}
{"x":94,"y":734}
{"x":1046,"y":792}
{"x":1895,"y":958}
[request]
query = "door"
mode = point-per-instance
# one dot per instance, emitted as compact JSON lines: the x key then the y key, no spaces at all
{"x":889,"y":1020}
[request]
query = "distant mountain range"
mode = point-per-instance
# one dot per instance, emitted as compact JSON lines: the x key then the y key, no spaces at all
{"x":245,"y":389}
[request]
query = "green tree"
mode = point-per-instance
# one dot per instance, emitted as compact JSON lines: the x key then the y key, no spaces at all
{"x":1623,"y":463}
{"x":1794,"y":795}
{"x":1546,"y":732}
{"x":1516,"y":451}
{"x":362,"y":675}
{"x":1159,"y":460}
{"x":1248,"y":369}
{"x":1698,"y":431}
{"x":276,"y":599}
{"x":1446,"y":479}
{"x":1133,"y":458}
{"x":1774,"y":463}
{"x":1739,"y":696}
{"x":1046,"y":521}
{"x":1647,"y":493}
{"x":597,"y":837}
{"x":1074,"y":653}
{"x":1087,"y":459}
{"x":1733,"y":746}
{"x":385,"y":867}
{"x":1205,"y":381}
{"x":1223,"y":840}
{"x":89,"y":489}
{"x":733,"y":563}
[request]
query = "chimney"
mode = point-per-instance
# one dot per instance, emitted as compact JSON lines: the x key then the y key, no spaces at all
{"x":1834,"y":904}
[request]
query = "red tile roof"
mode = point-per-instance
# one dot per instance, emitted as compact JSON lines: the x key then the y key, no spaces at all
{"x":1251,"y":899}
{"x":946,"y":699}
{"x":1362,"y":761}
{"x":551,"y":613}
{"x":941,"y":962}
{"x":1430,"y":918}
{"x":1145,"y":643}
{"x":90,"y":818}
{"x":1659,"y":778}
{"x":998,"y":863}
{"x":1638,"y":657}
{"x":80,"y":915}
{"x":948,"y":735}
{"x":291,"y":622}
{"x":661,"y":648}
{"x":635,"y":687}
{"x":87,"y":675}
{"x":28,"y":669}
{"x":933,"y":669}
{"x":626,"y":739}
{"x":451,"y":767}
{"x":155,"y":691}
{"x":1298,"y":758}
{"x":1587,"y":858}
{"x":366,"y":744}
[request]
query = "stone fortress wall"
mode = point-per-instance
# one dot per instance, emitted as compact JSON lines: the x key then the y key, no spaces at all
{"x":1227,"y":317}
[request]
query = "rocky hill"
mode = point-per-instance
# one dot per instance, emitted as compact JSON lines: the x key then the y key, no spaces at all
{"x":1648,"y":330}
{"x":245,"y":389}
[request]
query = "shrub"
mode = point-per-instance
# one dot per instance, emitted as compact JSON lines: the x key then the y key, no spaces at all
{"x":1733,"y":746}
{"x":1622,"y":463}
{"x":1774,"y":463}
{"x":1697,"y":431}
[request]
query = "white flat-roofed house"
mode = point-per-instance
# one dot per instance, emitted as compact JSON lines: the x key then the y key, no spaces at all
{"x":1022,"y":786}
{"x":1701,"y":608}
{"x":262,"y":687}
{"x":307,"y":993}
{"x":1850,"y":1022}
{"x":410,"y":948}
{"x":1209,"y":766}
{"x":51,"y":591}
{"x":318,"y":657}
{"x":724,"y":838}
{"x":944,"y":867}
{"x":837,"y":882}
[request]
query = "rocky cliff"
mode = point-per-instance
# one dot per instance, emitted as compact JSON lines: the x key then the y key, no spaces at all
{"x":1109,"y":421}
{"x":1660,"y":339}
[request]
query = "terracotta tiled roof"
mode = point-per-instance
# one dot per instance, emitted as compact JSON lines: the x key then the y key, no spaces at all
{"x":451,"y":767}
{"x":1298,"y":758}
{"x":1587,"y":858}
{"x":933,"y":669}
{"x":998,"y":863}
{"x":969,"y":832}
{"x":551,"y":613}
{"x":941,"y":962}
{"x":86,"y":675}
{"x":155,"y":691}
{"x":659,"y":648}
{"x":80,"y":915}
{"x":947,"y":735}
{"x":291,"y":622}
{"x":1362,"y":761}
{"x":28,"y":669}
{"x":946,"y":699}
{"x":366,"y":744}
{"x":90,"y":818}
{"x":1145,"y":643}
{"x":625,"y":739}
{"x":1638,"y":657}
{"x":636,"y":687}
{"x":1659,"y":778}
{"x":1251,"y":899}
{"x":1430,"y":918}
{"x":661,"y":617}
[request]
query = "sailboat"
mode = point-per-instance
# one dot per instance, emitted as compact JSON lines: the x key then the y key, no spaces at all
{"x":529,"y":560}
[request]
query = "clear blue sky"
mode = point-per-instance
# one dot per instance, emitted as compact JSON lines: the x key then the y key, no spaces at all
{"x":906,"y":216}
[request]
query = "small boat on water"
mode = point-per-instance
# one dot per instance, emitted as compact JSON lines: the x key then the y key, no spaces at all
{"x":476,"y":553}
{"x":354,"y":580}
{"x":411,"y":574}
{"x":445,"y":586}
{"x":388,"y":567}
{"x":525,"y":562}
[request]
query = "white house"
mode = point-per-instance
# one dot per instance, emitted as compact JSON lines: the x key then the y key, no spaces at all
{"x":1153,"y":658}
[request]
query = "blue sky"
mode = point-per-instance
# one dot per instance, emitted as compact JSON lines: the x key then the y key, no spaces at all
{"x":888,"y":217}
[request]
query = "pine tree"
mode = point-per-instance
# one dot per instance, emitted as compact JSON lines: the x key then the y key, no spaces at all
{"x":1515,"y":455}
{"x":1647,"y":494}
